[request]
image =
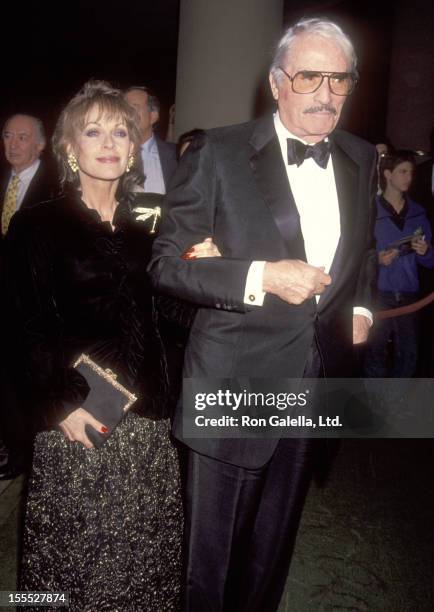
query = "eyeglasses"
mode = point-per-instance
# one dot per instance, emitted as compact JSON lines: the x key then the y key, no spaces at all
{"x":308,"y":81}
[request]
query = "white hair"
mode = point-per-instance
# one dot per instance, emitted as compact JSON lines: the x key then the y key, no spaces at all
{"x":315,"y":27}
{"x":39,"y":126}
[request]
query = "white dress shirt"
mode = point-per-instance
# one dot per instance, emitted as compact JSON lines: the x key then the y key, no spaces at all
{"x":25,"y":178}
{"x":154,"y":180}
{"x":316,"y":198}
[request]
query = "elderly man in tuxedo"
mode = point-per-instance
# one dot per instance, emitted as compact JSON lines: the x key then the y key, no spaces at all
{"x":287,"y":200}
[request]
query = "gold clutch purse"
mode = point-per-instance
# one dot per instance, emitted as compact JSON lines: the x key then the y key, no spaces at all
{"x":107,"y":400}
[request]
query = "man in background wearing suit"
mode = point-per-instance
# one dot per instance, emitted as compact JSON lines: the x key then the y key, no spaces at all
{"x":27,"y":181}
{"x":29,"y":178}
{"x":158,"y":157}
{"x":287,"y":200}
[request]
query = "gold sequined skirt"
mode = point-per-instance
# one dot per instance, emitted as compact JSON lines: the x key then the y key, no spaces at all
{"x":106,"y":524}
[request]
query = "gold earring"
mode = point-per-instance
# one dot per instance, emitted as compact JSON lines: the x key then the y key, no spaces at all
{"x":130,"y":163}
{"x":72,"y":161}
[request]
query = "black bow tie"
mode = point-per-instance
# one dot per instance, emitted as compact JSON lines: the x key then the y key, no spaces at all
{"x":298,"y":152}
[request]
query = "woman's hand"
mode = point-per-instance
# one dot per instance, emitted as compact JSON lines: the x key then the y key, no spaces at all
{"x":207,"y":248}
{"x":385,"y":258}
{"x":74,"y":426}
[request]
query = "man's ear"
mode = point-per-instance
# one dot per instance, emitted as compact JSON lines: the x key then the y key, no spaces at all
{"x":274,"y":87}
{"x":155,"y":115}
{"x":40,"y":147}
{"x":387,"y":174}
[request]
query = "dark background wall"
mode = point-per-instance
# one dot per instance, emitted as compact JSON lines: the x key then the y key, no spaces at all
{"x":410,"y":112}
{"x":49,"y":50}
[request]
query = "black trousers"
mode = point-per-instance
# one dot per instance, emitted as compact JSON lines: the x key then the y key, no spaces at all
{"x":241,"y":526}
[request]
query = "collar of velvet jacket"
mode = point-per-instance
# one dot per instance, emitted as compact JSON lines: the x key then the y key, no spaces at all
{"x":123,"y":213}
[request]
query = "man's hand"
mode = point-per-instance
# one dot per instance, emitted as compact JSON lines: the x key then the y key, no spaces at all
{"x":294,"y":281}
{"x":361,"y":325}
{"x":420,"y":245}
{"x":385,"y":258}
{"x":74,"y":426}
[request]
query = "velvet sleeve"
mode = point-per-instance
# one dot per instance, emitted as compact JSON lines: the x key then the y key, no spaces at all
{"x":55,"y":389}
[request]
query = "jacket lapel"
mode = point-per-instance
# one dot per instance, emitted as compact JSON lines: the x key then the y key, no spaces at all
{"x":346,"y":178}
{"x":167,"y":160}
{"x":270,"y":175}
{"x":3,"y":188}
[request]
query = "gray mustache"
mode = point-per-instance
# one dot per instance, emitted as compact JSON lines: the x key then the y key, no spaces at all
{"x":318,"y":109}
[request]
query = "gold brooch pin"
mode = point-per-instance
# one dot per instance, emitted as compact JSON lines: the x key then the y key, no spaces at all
{"x":146,"y":213}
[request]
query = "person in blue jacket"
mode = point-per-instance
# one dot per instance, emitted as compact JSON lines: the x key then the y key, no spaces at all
{"x":403,"y":242}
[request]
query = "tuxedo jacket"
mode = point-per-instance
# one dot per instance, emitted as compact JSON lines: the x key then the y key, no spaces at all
{"x":232,"y":184}
{"x":168,"y":159}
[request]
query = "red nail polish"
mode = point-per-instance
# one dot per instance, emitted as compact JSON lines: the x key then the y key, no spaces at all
{"x":104,"y":429}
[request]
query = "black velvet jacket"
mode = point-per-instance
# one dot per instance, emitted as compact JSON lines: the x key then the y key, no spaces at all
{"x":78,"y":286}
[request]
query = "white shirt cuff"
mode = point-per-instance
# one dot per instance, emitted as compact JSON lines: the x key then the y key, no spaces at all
{"x":253,"y":293}
{"x":364,"y":312}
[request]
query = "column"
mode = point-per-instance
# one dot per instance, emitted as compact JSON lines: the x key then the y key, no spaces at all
{"x":224,"y":50}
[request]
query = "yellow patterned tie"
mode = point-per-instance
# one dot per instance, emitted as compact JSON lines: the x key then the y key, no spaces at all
{"x":10,"y":203}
